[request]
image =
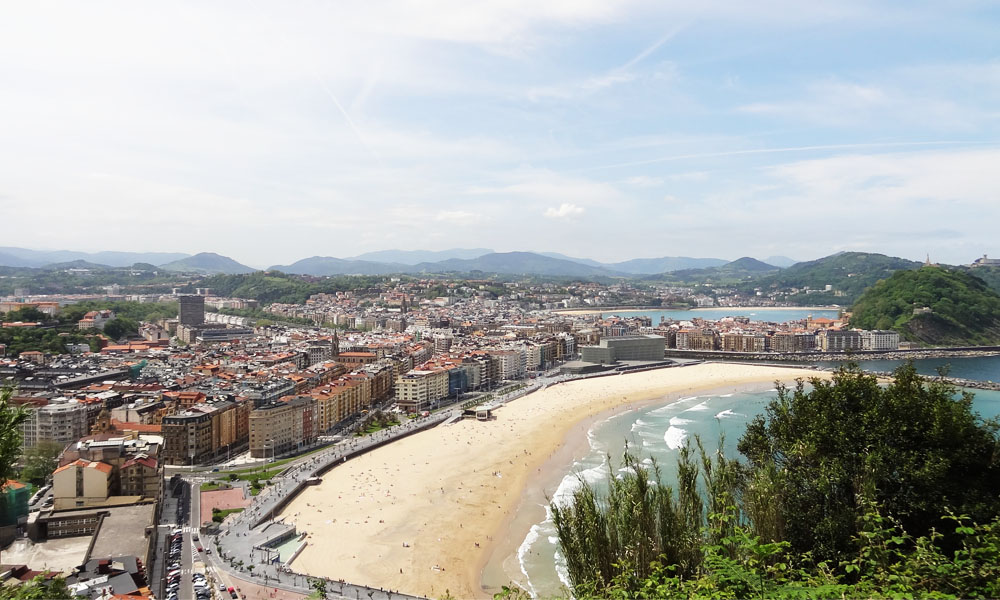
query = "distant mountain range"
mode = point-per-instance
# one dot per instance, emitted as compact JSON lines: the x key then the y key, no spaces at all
{"x":22,"y":257}
{"x":328,"y":265}
{"x":646,"y":266}
{"x":415,"y":257}
{"x":780,"y":261}
{"x":515,"y":263}
{"x":460,"y":260}
{"x":455,"y":260}
{"x":209,"y":263}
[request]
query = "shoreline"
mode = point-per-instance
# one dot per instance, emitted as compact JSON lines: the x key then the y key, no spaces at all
{"x":616,"y":310}
{"x":403,"y":516}
{"x":496,"y":566}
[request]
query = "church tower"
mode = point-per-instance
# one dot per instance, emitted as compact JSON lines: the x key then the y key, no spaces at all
{"x":335,"y":344}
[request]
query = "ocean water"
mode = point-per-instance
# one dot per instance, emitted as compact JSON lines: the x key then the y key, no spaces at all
{"x":655,"y":433}
{"x":770,"y":315}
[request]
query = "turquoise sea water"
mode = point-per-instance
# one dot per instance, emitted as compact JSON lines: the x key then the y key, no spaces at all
{"x":770,"y":315}
{"x":980,"y":368}
{"x":656,"y":432}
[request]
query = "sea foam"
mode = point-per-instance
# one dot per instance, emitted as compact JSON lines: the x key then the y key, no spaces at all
{"x":675,"y":435}
{"x":522,"y":553}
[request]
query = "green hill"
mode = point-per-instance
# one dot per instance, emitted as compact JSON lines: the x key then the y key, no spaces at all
{"x":741,"y":268}
{"x":849,"y":274}
{"x":207,"y":263}
{"x":991,"y":275}
{"x":963,"y":310}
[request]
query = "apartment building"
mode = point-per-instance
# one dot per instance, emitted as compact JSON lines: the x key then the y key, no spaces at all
{"x":511,"y":363}
{"x":260,"y":394}
{"x":145,"y":411}
{"x":354,"y":360}
{"x":382,"y":374}
{"x":879,"y":340}
{"x":136,"y":470}
{"x":185,"y":400}
{"x":95,"y":319}
{"x":416,"y":390}
{"x":788,"y":341}
{"x":834,"y":340}
{"x":744,"y":342}
{"x":140,"y":476}
{"x":61,"y":421}
{"x":187,"y":438}
{"x":283,"y":426}
{"x":191,"y":310}
{"x":697,"y":339}
{"x":81,"y":483}
{"x":341,"y":399}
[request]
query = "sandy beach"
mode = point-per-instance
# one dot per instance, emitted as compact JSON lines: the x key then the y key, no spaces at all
{"x":424,"y":514}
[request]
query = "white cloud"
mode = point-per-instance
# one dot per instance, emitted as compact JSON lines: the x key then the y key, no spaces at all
{"x":644,"y":181}
{"x":564,"y":210}
{"x":322,"y":126}
{"x":457,"y":217}
{"x":958,"y":97}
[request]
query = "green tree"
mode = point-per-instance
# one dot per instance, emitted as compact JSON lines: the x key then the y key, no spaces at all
{"x":909,"y":447}
{"x":319,"y":588}
{"x":851,"y":489}
{"x":119,"y":327}
{"x":28,"y":314}
{"x":38,"y":588}
{"x":40,"y":461}
{"x":11,"y":417}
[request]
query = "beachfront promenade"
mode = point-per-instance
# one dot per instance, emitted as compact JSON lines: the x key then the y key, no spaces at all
{"x":245,"y":537}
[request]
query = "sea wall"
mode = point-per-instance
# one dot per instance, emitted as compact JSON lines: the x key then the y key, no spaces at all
{"x":951,"y":352}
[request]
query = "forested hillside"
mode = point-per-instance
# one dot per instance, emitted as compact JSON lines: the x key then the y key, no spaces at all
{"x":849,"y":273}
{"x":932,"y":305}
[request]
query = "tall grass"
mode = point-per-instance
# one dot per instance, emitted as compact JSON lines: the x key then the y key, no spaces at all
{"x":639,"y":520}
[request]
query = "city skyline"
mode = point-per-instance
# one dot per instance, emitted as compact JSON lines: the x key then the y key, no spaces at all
{"x":601,"y":130}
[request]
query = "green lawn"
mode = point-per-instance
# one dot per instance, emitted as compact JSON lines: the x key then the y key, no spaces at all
{"x":373,"y":428}
{"x":210,"y":486}
{"x":248,"y":474}
{"x":219,"y":515}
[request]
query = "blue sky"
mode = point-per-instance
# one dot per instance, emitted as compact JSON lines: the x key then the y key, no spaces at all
{"x":611,"y":130}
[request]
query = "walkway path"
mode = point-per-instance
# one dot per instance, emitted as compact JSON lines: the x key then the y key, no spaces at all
{"x":245,"y":535}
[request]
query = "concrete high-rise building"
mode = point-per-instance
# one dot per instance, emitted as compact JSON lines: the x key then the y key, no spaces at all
{"x":283,"y":426}
{"x":833,"y":340}
{"x":192,"y":311}
{"x":61,"y":421}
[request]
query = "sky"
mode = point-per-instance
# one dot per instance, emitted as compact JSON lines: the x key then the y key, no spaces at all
{"x":274,"y":131}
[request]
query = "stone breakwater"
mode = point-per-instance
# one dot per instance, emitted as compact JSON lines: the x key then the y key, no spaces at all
{"x":810,"y":357}
{"x":956,"y":381}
